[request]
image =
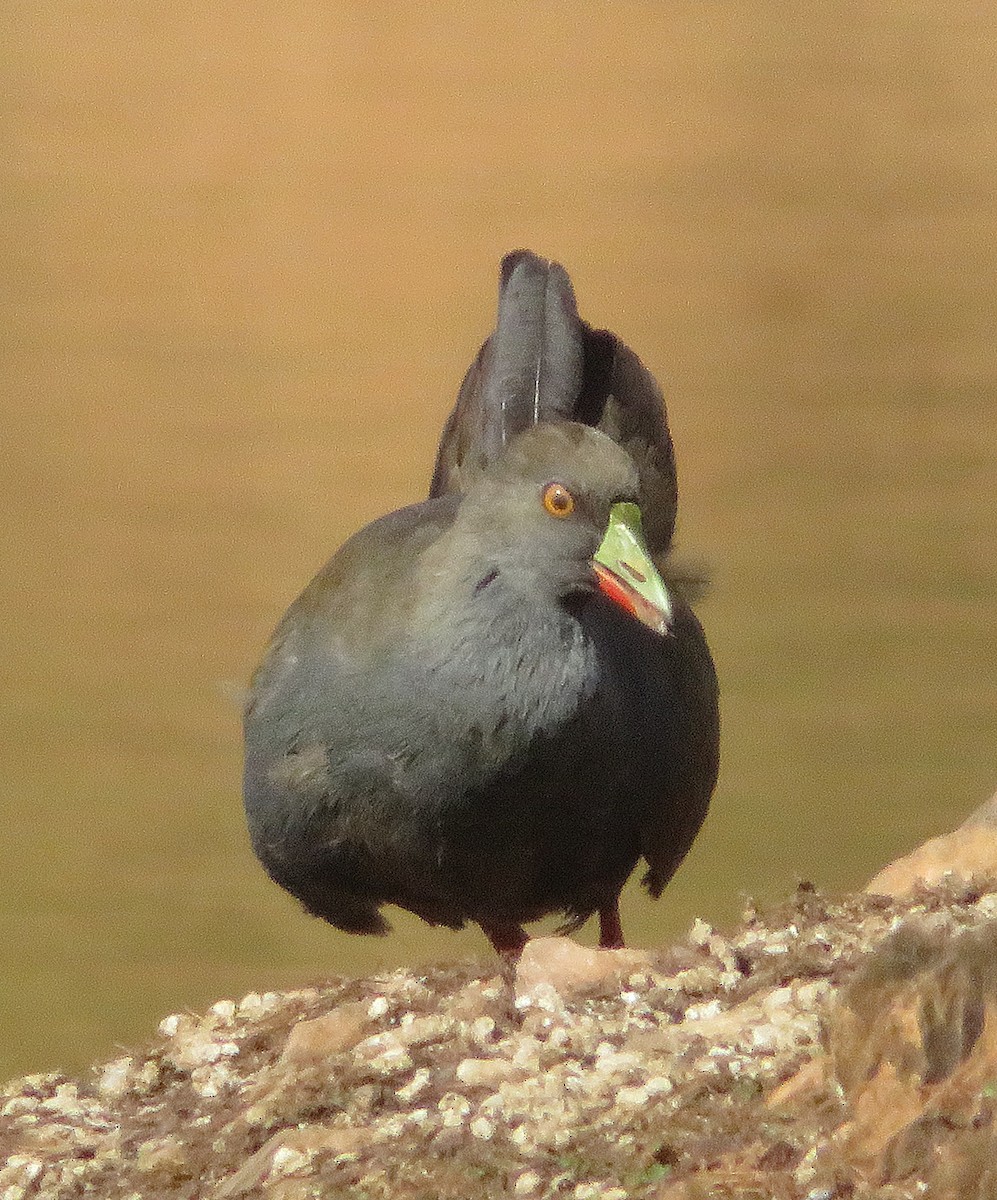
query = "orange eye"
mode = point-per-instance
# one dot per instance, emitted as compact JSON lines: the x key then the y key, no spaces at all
{"x":558,"y":501}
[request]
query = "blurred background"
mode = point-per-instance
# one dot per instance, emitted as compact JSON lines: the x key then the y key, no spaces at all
{"x":248,"y":252}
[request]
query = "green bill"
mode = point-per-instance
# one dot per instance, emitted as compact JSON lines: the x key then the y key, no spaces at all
{"x":626,"y":573}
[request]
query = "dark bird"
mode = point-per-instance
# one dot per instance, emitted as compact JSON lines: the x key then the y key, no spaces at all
{"x":487,"y":706}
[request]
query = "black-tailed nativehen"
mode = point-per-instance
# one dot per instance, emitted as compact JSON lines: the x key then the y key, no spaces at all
{"x":488,"y":706}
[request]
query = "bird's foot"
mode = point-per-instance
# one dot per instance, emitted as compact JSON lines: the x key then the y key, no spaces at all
{"x":610,"y":928}
{"x":507,"y":938}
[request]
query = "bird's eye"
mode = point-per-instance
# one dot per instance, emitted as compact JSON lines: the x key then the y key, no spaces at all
{"x":558,"y":501}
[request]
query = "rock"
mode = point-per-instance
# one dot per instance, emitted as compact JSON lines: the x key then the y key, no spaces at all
{"x":424,"y":1031}
{"x":476,"y":998}
{"x":115,"y":1078}
{"x":312,"y":1042}
{"x":487,"y":1072}
{"x":290,"y":1152}
{"x":163,"y":1156}
{"x":913,"y":1045}
{"x":967,"y":852}
{"x":570,"y":969}
{"x":603,"y":1074}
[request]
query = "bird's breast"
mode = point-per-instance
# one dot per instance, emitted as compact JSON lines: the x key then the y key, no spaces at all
{"x":508,"y":674}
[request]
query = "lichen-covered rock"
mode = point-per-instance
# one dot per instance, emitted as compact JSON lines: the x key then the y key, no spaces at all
{"x":823,"y":1049}
{"x":966,"y":853}
{"x":558,"y":965}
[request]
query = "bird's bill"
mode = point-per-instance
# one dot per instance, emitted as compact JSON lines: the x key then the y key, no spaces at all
{"x":625,"y":571}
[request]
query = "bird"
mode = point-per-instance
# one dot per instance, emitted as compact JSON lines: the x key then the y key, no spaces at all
{"x":488,"y":706}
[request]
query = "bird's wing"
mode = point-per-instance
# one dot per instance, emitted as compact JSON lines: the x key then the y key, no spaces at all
{"x":686,"y":754}
{"x":353,"y":607}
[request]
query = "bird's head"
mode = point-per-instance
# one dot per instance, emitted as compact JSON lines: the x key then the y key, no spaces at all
{"x":557,"y":514}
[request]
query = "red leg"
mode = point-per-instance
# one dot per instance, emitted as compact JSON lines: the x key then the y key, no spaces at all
{"x":507,"y":938}
{"x":610,"y":929}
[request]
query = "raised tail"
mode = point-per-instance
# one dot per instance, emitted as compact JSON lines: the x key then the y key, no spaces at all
{"x":544,"y":363}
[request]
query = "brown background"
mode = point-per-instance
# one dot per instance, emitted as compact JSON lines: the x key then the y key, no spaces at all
{"x":248,"y":251}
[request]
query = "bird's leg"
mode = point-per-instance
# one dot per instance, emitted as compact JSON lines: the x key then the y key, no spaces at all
{"x":507,"y":938}
{"x":610,"y":929}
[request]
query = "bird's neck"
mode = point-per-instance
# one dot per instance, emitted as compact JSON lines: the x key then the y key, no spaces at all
{"x":487,"y":633}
